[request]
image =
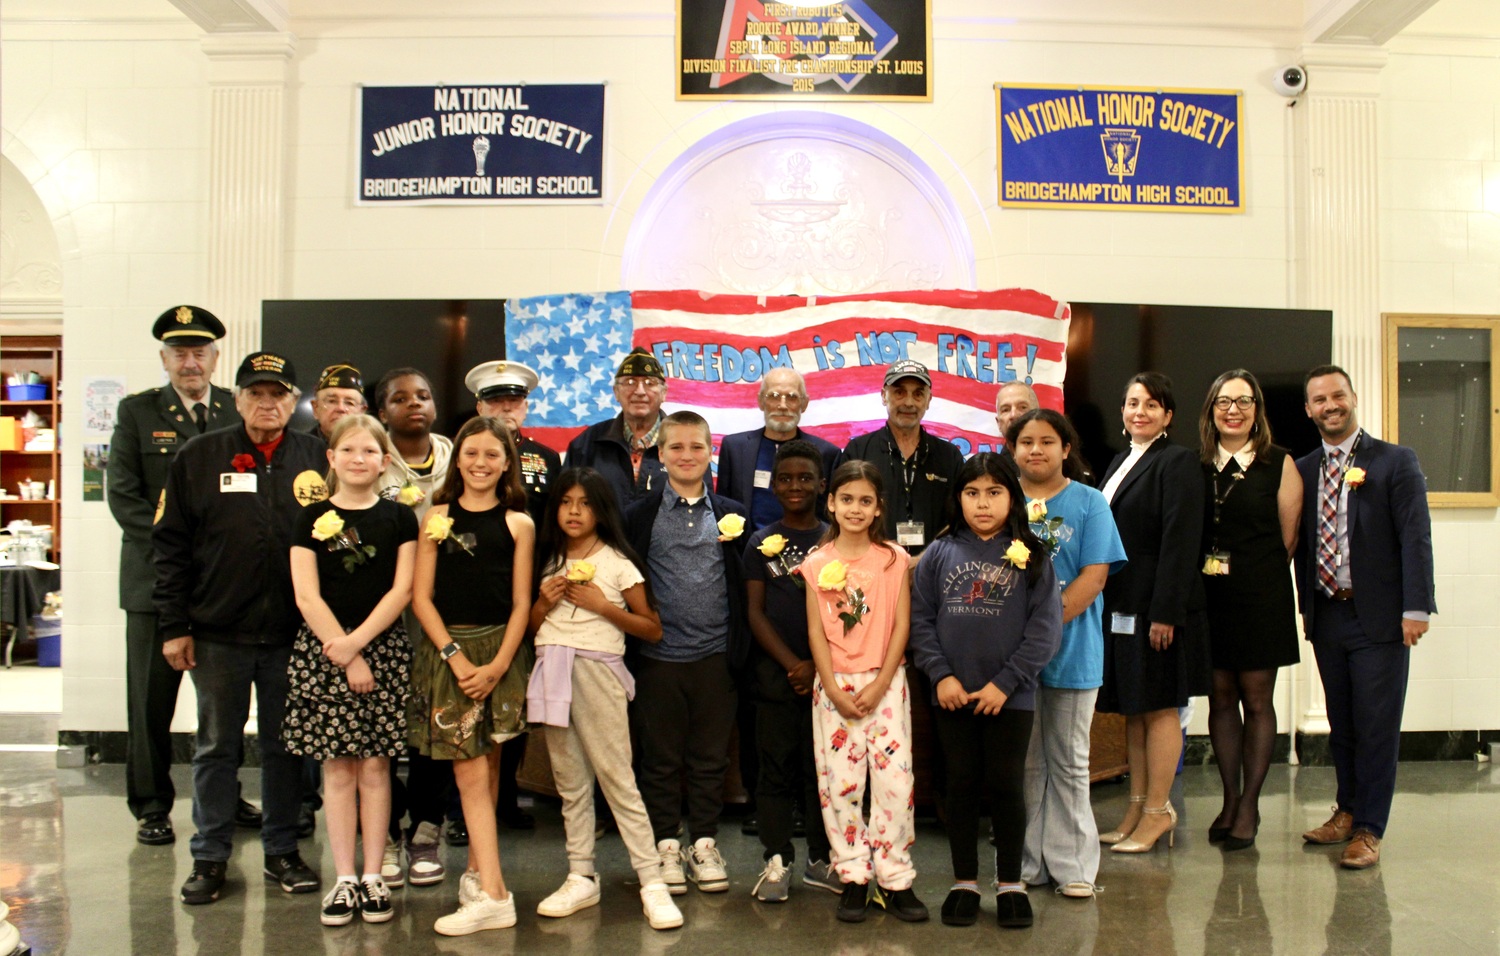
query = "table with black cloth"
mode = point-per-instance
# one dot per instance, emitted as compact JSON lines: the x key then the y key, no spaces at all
{"x":23,"y":590}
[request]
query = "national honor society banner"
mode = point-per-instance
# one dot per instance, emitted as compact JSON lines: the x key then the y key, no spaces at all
{"x":716,"y":348}
{"x":849,"y":50}
{"x":1087,"y":147}
{"x":481,"y":143}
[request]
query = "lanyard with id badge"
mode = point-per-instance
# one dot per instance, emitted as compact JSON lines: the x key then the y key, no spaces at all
{"x":909,"y":533}
{"x":1216,"y":559}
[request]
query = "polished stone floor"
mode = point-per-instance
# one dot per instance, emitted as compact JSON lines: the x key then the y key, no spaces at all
{"x":78,"y":883}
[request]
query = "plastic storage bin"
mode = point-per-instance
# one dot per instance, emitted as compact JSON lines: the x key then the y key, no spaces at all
{"x":48,"y":634}
{"x":26,"y":393}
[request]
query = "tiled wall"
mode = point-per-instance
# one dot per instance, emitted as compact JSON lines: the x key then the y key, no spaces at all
{"x":112,"y":132}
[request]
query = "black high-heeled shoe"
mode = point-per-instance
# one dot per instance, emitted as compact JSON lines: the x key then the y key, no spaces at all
{"x":1217,"y":834}
{"x":1232,"y":842}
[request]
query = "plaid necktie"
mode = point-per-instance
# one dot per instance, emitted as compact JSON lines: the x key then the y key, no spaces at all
{"x":1327,"y":513}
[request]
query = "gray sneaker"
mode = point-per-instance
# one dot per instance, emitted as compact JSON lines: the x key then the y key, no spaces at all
{"x":774,"y":882}
{"x":820,"y":873}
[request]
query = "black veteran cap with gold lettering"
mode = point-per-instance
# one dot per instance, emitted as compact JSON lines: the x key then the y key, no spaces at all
{"x":340,"y":376}
{"x":500,"y":380}
{"x":640,"y":363}
{"x":907,"y":368}
{"x":265,"y":367}
{"x":187,"y":325}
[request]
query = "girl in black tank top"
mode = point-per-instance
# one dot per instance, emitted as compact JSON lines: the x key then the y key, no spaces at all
{"x":472,"y":595}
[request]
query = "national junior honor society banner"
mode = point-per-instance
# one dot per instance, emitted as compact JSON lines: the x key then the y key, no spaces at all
{"x":497,"y":143}
{"x":1089,"y":147}
{"x":716,"y":348}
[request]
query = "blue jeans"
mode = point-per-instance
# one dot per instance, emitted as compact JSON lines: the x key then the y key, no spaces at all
{"x":223,"y":678}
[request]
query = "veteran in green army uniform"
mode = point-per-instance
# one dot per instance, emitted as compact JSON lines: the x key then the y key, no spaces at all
{"x":150,"y":428}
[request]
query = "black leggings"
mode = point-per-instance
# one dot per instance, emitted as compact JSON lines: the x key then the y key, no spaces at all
{"x":985,"y":755}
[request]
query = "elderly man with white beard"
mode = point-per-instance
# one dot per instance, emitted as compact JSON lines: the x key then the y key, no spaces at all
{"x":745,"y":458}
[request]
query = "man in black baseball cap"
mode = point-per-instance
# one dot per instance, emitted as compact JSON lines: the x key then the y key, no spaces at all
{"x":228,"y":613}
{"x":623,"y":448}
{"x":150,"y":428}
{"x":340,"y":392}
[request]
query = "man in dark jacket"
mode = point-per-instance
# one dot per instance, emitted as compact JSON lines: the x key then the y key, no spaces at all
{"x":623,"y":448}
{"x":916,"y":467}
{"x":745,"y":458}
{"x":150,"y":428}
{"x":227,"y":611}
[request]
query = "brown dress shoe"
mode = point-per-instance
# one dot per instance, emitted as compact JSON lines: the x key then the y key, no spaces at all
{"x":1336,"y":830}
{"x":1362,"y":852}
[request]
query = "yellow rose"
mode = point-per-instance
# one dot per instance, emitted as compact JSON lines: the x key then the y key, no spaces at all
{"x":327,"y":525}
{"x":410,"y":495}
{"x":772,"y":545}
{"x":1017,"y":554}
{"x":439,"y":526}
{"x":731,"y":527}
{"x":581,"y":572}
{"x":1036,"y":509}
{"x":1354,"y":477}
{"x":833,"y":577}
{"x":1211,"y":565}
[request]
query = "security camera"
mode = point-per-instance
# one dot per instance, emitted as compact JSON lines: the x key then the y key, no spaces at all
{"x":1290,"y":80}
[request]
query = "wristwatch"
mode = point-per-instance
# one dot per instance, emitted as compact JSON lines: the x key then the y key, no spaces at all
{"x":449,"y":649}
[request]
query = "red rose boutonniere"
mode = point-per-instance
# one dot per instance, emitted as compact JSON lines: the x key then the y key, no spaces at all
{"x":243,"y":462}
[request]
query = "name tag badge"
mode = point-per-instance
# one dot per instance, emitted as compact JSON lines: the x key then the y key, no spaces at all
{"x":762,"y":478}
{"x":163,"y":438}
{"x":1122,"y":623}
{"x":910,"y":534}
{"x":234,"y":482}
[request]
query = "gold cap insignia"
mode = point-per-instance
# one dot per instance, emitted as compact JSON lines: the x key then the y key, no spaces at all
{"x":184,"y":314}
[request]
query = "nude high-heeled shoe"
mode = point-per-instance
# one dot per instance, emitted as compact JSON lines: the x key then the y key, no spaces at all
{"x":1133,"y":845}
{"x":1117,"y":836}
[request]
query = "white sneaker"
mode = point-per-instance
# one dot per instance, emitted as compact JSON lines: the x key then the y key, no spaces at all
{"x":656,"y":902}
{"x":390,"y":865}
{"x":424,"y":867}
{"x":706,"y":867}
{"x":478,"y":915}
{"x":578,"y":892}
{"x":671,"y":866}
{"x":468,"y":886}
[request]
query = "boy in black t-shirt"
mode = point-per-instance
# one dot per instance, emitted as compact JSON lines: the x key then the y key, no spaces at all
{"x":784,"y":673}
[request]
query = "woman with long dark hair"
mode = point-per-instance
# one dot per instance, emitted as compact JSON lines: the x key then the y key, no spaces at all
{"x":1156,"y":641}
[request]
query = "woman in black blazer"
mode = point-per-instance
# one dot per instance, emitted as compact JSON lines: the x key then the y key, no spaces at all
{"x":1156,"y":635}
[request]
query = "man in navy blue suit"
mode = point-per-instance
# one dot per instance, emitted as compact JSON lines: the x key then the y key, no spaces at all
{"x":1365,"y":588}
{"x":745,"y":458}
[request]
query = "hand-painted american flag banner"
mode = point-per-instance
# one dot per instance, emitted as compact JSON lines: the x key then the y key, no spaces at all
{"x":716,"y":348}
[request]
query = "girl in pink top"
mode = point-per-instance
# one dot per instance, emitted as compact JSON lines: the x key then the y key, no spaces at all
{"x":858,"y":614}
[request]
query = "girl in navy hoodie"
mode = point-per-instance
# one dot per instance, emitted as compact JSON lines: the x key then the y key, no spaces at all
{"x":986,"y":617}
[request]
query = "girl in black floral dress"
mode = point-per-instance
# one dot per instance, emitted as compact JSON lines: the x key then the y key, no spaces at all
{"x":352,"y":561}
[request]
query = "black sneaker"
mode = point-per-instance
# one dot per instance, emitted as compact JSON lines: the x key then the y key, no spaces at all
{"x":750,"y":826}
{"x":374,"y":900}
{"x":457,"y":833}
{"x":307,"y":822}
{"x":247,"y":815}
{"x":961,"y":908}
{"x":514,"y":818}
{"x":854,"y":902}
{"x":902,"y":904}
{"x":291,"y":873}
{"x":340,"y":904}
{"x":1013,"y":909}
{"x":155,"y":829}
{"x":205,"y":882}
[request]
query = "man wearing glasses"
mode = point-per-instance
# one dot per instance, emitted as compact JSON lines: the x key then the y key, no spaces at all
{"x":623,"y":448}
{"x":745,"y":459}
{"x":340,"y":392}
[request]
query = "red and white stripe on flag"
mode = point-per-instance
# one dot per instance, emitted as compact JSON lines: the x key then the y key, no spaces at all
{"x":716,"y":348}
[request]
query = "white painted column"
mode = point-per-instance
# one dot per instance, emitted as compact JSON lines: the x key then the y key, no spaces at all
{"x":247,"y":182}
{"x":1338,"y":239}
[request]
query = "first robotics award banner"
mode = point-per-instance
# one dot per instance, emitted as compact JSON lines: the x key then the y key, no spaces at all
{"x":525,"y":143}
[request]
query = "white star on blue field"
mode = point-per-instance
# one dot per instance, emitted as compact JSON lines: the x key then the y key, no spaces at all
{"x":574,"y":342}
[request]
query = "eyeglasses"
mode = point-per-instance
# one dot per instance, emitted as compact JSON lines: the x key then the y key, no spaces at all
{"x":776,"y":398}
{"x":630,"y":383}
{"x":334,"y":401}
{"x":1244,"y":403}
